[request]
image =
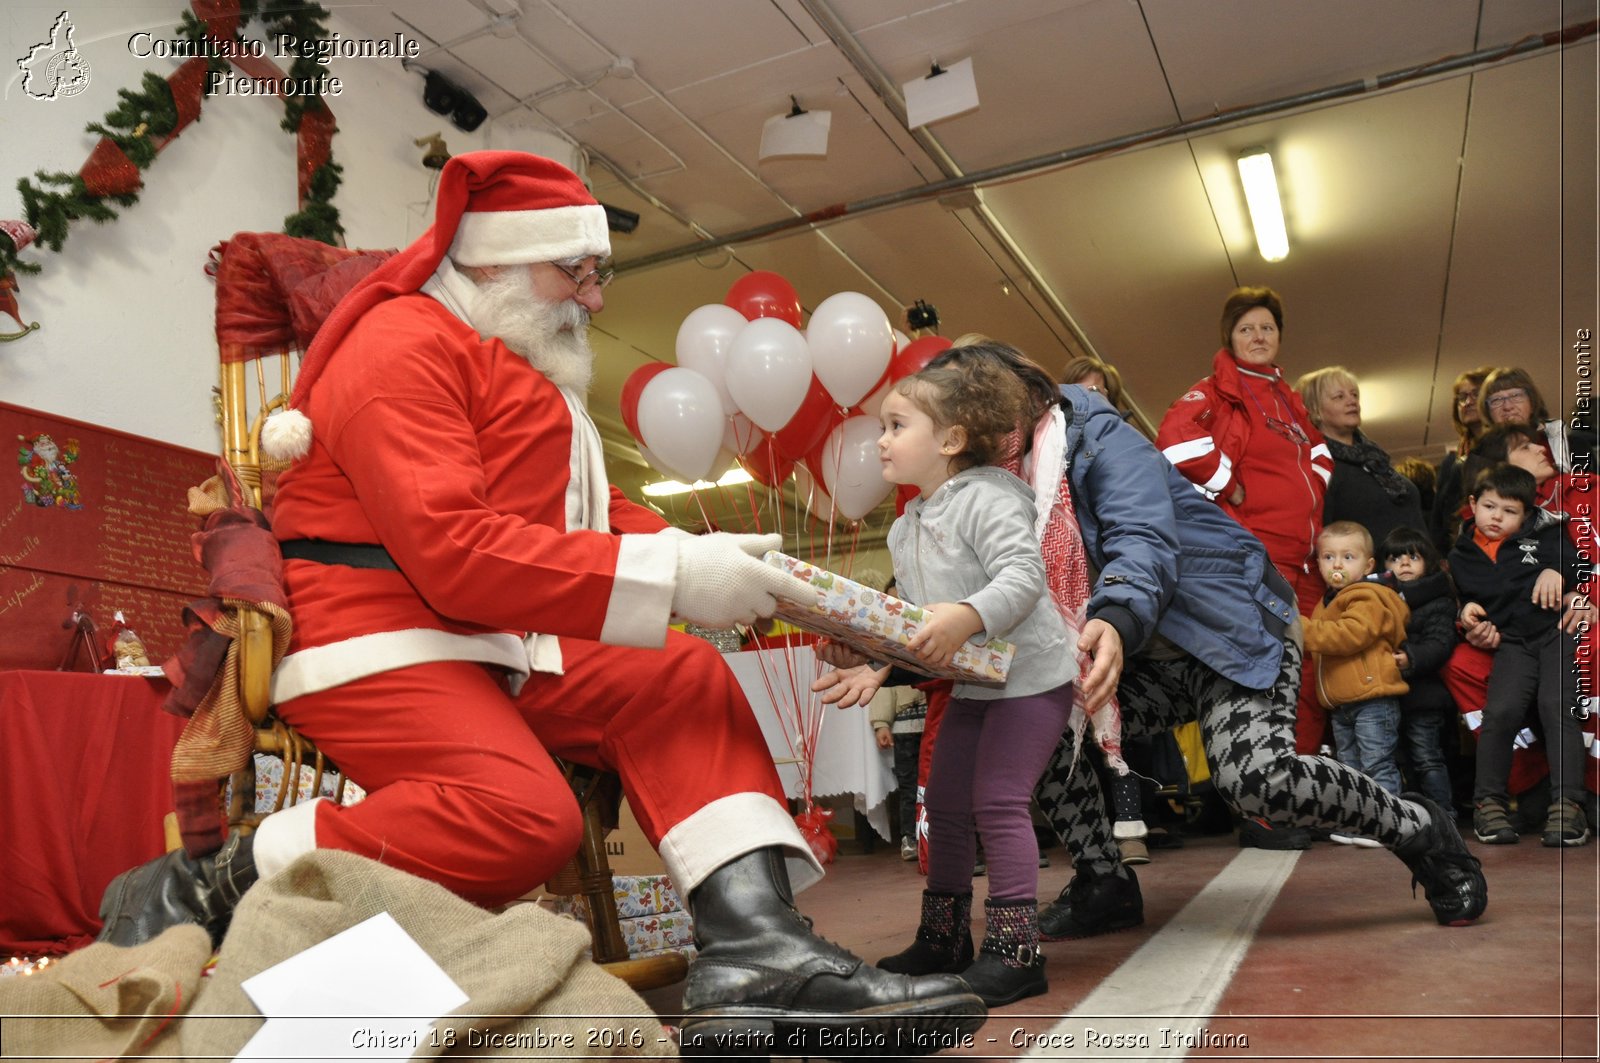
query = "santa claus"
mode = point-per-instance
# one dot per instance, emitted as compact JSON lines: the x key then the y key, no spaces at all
{"x":471,"y":598}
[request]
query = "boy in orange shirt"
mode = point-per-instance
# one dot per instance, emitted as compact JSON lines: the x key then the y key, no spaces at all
{"x":1509,"y":571}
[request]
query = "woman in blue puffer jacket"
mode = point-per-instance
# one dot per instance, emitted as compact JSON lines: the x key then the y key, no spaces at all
{"x":1187,"y":618}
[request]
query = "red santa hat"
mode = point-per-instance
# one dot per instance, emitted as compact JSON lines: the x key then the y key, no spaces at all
{"x":495,"y":208}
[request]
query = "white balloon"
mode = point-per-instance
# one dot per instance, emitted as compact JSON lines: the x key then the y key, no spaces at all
{"x":654,"y":462}
{"x":768,"y":371}
{"x":740,"y":436}
{"x":816,"y":500}
{"x":851,"y":470}
{"x":873,"y":404}
{"x":680,"y":420}
{"x":704,"y":340}
{"x":851,"y":343}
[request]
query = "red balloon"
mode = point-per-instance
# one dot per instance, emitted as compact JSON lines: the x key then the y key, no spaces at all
{"x":903,"y":494}
{"x":632,"y":388}
{"x":765,"y":294}
{"x":915,"y":356}
{"x":766,"y":464}
{"x":810,"y":424}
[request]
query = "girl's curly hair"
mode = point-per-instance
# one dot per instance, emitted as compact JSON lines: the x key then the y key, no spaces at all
{"x":981,"y":395}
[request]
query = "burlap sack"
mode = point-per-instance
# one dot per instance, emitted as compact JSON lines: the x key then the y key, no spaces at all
{"x":526,"y":972}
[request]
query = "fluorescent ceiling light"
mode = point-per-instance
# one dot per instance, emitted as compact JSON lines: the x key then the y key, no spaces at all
{"x":1266,"y":209}
{"x":730,"y":478}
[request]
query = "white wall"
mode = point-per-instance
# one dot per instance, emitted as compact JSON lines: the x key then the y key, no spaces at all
{"x":125,"y":308}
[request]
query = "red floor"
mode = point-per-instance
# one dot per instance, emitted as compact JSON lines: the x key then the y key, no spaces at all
{"x":1344,"y":965}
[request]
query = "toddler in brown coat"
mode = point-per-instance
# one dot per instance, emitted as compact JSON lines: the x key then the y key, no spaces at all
{"x":1353,"y":636}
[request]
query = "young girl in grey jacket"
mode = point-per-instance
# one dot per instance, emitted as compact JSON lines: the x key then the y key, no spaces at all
{"x":965,"y":549}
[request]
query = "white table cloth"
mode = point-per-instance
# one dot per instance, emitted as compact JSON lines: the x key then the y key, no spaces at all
{"x":848,"y":760}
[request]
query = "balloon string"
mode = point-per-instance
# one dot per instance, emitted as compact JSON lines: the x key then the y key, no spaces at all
{"x":780,"y":709}
{"x":755,"y":510}
{"x":694,"y":496}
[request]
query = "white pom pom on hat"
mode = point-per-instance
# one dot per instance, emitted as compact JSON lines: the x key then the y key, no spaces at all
{"x":286,"y":435}
{"x":494,"y":208}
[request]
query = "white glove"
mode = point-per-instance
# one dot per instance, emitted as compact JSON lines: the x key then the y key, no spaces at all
{"x":720,"y":582}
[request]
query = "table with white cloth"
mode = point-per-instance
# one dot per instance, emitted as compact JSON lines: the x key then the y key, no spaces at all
{"x":848,"y":760}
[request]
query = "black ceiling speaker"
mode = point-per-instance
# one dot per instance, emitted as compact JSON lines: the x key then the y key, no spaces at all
{"x":921,"y":316}
{"x":443,"y":96}
{"x":619,"y":220}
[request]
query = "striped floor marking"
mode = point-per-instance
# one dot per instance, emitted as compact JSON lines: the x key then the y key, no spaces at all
{"x":1169,"y":988}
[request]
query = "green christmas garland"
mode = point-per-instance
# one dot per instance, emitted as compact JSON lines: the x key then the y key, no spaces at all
{"x":141,"y":119}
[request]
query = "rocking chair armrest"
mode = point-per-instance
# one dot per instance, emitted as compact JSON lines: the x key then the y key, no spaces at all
{"x":255,"y":664}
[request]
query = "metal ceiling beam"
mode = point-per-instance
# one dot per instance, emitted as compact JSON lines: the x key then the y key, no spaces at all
{"x":824,"y":216}
{"x":891,"y":97}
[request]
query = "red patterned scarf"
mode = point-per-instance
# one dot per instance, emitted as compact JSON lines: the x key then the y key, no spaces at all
{"x":1066,"y":565}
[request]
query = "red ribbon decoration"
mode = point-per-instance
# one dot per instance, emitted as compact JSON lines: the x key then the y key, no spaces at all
{"x":314,"y":141}
{"x":109,"y":171}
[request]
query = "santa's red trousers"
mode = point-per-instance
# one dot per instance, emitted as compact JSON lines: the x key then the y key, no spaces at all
{"x":461,"y":788}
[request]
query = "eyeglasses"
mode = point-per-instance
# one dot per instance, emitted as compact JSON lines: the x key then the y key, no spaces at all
{"x":1501,"y":399}
{"x":594,"y":280}
{"x":1467,"y":398}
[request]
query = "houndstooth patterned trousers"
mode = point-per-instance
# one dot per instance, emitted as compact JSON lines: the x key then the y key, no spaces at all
{"x":1249,"y":740}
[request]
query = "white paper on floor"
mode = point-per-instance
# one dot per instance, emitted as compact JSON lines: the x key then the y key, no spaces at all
{"x":369,"y":992}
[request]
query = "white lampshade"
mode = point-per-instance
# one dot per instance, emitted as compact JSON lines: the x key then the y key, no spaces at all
{"x":952,"y":91}
{"x":796,"y":136}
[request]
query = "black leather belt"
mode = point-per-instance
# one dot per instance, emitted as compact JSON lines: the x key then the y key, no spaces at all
{"x":355,"y":555}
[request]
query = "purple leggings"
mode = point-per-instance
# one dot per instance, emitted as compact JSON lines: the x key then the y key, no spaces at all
{"x":988,"y":758}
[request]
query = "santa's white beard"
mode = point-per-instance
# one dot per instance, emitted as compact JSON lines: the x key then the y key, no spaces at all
{"x":553,"y":337}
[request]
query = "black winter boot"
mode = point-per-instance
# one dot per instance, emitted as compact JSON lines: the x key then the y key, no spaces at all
{"x":175,"y":889}
{"x":1450,"y":876}
{"x":944,"y":938}
{"x":763,"y":983}
{"x":1093,"y":904}
{"x":1009,"y":966}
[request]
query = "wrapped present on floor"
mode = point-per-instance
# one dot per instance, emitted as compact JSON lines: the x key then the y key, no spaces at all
{"x":645,"y":895}
{"x":879,"y":625}
{"x":269,"y":774}
{"x":650,"y":913}
{"x":635,"y":895}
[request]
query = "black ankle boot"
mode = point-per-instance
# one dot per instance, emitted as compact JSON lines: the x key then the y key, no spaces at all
{"x":1093,"y":903}
{"x":176,"y":889}
{"x":944,"y":938}
{"x":764,"y":983}
{"x":1009,"y":966}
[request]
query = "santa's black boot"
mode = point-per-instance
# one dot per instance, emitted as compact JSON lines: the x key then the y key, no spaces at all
{"x":944,"y":938}
{"x":175,"y":889}
{"x":763,"y":983}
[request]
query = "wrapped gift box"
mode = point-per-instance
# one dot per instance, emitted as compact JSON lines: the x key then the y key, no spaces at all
{"x":269,"y":773}
{"x":645,"y":895}
{"x":650,"y":913}
{"x":879,"y":625}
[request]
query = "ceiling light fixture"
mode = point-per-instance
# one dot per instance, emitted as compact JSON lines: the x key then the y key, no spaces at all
{"x":1266,"y":209}
{"x":944,"y":93}
{"x":663,"y":488}
{"x":800,"y":134}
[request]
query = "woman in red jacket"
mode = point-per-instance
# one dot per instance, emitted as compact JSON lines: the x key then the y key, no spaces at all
{"x":1244,"y":438}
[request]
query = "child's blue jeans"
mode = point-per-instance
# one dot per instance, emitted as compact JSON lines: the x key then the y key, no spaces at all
{"x":1424,"y":731}
{"x":1365,"y":734}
